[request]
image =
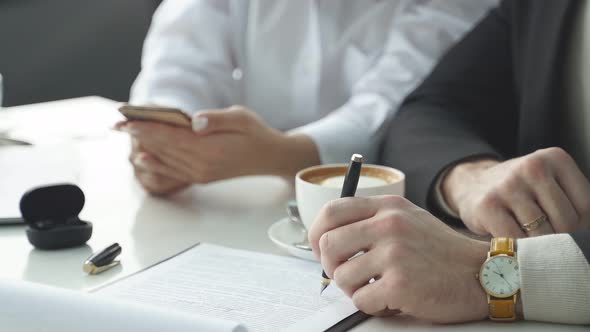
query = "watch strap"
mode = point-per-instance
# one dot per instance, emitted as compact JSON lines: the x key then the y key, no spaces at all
{"x":502,"y":309}
{"x":502,"y":245}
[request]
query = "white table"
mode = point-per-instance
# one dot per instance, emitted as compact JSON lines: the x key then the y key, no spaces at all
{"x":234,"y":213}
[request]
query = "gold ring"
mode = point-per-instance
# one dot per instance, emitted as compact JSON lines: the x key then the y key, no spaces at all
{"x":535,"y":224}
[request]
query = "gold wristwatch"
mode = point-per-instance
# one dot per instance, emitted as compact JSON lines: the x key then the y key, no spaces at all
{"x":500,"y":278}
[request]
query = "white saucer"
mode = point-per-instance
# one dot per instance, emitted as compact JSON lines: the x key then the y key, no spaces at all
{"x":284,"y":233}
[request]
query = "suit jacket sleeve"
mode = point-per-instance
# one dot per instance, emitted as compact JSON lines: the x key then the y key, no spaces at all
{"x":457,"y":111}
{"x":408,"y":56}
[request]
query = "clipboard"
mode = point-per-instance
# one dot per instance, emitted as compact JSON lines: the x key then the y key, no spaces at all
{"x":349,"y":322}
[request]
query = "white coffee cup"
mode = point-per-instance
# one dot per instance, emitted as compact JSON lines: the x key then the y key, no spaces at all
{"x":317,"y":185}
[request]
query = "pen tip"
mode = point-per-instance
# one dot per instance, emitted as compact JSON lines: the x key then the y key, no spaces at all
{"x":323,"y":289}
{"x":324,"y":283}
{"x":357,"y":158}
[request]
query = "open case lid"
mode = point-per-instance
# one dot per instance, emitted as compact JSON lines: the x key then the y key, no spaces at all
{"x":56,"y":203}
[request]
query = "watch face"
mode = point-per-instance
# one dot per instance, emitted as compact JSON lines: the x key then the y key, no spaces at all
{"x":499,"y":276}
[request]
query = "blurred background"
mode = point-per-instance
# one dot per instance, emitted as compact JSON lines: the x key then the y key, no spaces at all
{"x":61,"y":49}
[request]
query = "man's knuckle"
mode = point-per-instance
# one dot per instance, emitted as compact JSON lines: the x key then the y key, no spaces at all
{"x":325,"y":243}
{"x":313,"y":236}
{"x":399,"y":224}
{"x":359,"y":302}
{"x":478,"y":225}
{"x":490,"y":201}
{"x":340,"y":275}
{"x":556,"y":154}
{"x":396,"y":280}
{"x":395,"y":251}
{"x":394,"y":201}
{"x":391,"y":223}
{"x":243,"y":115}
{"x":534,"y":168}
{"x":510,"y":184}
{"x":328,"y":211}
{"x":391,"y":217}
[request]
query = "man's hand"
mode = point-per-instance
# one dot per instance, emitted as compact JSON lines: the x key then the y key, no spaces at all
{"x":223,"y":144}
{"x":420,"y":266}
{"x":499,"y":198}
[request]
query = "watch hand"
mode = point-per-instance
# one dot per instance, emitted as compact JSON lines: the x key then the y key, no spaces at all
{"x":509,"y":285}
{"x":499,"y":269}
{"x":496,"y":265}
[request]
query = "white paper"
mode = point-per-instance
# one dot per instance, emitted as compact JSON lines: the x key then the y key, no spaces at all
{"x":28,"y":307}
{"x":22,"y":168}
{"x":61,"y":121}
{"x":264,"y":292}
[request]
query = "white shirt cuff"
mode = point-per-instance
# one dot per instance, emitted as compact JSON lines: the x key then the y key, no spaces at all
{"x":555,"y":280}
{"x":356,"y":127}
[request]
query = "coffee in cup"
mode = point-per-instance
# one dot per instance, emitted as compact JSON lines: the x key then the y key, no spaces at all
{"x":315,"y":186}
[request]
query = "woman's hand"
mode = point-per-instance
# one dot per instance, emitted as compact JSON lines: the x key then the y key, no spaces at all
{"x":420,"y":265}
{"x":154,"y":183}
{"x":223,"y":144}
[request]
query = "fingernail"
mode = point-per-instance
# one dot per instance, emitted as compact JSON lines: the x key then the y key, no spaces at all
{"x":199,"y":123}
{"x":132,"y":131}
{"x":140,"y":161}
{"x":120,"y":124}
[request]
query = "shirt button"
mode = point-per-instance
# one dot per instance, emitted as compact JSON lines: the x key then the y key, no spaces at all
{"x":237,"y":74}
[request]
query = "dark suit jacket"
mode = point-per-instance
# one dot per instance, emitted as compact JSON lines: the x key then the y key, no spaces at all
{"x":497,"y":93}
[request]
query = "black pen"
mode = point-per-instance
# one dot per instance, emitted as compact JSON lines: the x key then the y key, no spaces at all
{"x":103,"y":260}
{"x":351,"y":180}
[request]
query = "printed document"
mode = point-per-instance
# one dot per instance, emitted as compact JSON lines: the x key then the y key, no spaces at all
{"x":261,"y":291}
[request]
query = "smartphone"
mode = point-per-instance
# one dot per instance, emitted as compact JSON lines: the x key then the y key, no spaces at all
{"x":172,"y":116}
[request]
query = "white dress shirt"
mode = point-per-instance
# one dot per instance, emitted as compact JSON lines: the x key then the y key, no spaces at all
{"x":334,"y":70}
